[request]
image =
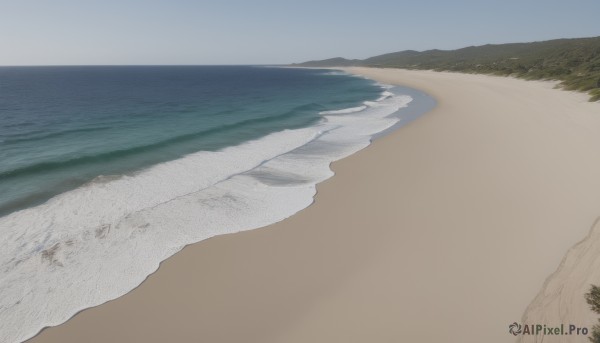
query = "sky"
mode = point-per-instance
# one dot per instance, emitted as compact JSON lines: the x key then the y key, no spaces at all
{"x":136,"y":32}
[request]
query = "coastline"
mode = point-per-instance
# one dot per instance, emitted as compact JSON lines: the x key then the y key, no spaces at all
{"x":444,"y":228}
{"x":82,"y":261}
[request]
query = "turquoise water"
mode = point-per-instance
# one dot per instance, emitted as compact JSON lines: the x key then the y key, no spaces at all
{"x":61,"y":127}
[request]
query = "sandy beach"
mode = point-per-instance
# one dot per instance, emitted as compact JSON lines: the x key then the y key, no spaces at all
{"x":444,"y":230}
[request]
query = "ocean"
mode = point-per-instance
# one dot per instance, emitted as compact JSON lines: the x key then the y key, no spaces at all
{"x":106,"y":171}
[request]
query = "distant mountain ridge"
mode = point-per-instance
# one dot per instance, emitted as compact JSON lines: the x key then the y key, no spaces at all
{"x":575,"y":62}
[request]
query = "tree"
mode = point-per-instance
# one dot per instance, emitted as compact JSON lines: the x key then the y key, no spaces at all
{"x":593,"y":299}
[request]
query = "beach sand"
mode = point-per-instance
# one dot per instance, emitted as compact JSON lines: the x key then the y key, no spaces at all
{"x":443,"y":231}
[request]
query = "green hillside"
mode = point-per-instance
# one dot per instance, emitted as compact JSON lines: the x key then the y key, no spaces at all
{"x":575,"y":62}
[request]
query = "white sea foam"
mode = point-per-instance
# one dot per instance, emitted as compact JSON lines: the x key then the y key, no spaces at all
{"x":339,"y":73}
{"x":385,"y":95}
{"x":98,"y":242}
{"x":346,"y":110}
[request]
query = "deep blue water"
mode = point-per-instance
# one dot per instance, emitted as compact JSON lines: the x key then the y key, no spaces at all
{"x":61,"y":127}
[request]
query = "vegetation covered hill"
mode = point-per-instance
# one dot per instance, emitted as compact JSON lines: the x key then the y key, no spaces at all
{"x":575,"y":62}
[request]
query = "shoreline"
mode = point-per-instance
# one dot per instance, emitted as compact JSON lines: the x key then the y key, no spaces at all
{"x":380,"y":110}
{"x":105,"y":254}
{"x":422,"y":250}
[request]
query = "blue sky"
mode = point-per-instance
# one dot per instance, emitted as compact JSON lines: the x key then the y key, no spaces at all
{"x":48,"y":32}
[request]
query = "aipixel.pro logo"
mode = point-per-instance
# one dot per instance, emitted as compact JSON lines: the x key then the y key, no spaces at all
{"x":545,"y":330}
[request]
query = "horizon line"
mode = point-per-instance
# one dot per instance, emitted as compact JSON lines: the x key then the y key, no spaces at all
{"x":143,"y":65}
